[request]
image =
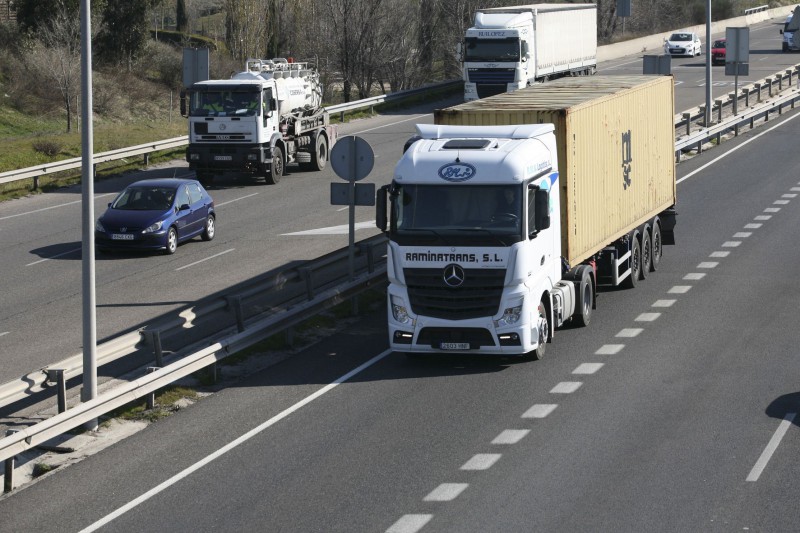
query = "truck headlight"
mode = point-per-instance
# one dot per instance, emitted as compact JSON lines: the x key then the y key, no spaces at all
{"x":194,"y":157}
{"x":510,"y":316}
{"x":400,"y":312}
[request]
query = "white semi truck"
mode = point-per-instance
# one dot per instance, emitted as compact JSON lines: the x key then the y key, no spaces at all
{"x":505,"y":217}
{"x":789,"y":29}
{"x":258,"y":121}
{"x":509,"y":48}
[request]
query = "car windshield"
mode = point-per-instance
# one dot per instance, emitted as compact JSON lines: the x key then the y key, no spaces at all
{"x":145,"y":199}
{"x":681,"y":37}
{"x":719,"y":44}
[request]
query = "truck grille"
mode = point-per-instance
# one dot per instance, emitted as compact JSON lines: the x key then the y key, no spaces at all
{"x":491,"y":75}
{"x":478,"y":296}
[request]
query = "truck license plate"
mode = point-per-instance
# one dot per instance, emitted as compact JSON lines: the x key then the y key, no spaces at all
{"x":122,"y":237}
{"x":454,"y":346}
{"x":223,"y":158}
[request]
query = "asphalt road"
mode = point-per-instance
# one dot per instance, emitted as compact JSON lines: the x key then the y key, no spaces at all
{"x":675,"y":410}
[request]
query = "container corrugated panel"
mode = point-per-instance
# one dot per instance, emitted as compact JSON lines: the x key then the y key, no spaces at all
{"x":615,"y":137}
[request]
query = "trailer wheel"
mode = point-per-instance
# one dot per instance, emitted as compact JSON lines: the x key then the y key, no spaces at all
{"x":585,"y":302}
{"x":276,"y":169}
{"x":658,"y":244}
{"x":647,"y":253}
{"x":319,"y":157}
{"x":543,"y":331}
{"x":635,"y":262}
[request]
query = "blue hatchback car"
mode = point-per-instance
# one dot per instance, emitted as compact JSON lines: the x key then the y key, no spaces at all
{"x":156,"y":215}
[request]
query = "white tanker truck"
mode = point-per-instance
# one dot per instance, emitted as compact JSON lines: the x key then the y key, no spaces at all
{"x":258,"y":121}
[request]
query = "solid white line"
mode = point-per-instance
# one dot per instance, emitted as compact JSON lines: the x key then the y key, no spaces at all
{"x":4,"y":333}
{"x":234,"y":200}
{"x":204,"y":260}
{"x":481,"y":461}
{"x":53,"y":207}
{"x":334,"y":230}
{"x":410,"y":523}
{"x":446,"y":492}
{"x":231,"y":445}
{"x":766,"y":455}
{"x":732,"y":150}
{"x":53,"y":257}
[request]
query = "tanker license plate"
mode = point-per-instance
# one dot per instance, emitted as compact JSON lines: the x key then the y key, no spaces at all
{"x":454,"y":346}
{"x":223,"y":158}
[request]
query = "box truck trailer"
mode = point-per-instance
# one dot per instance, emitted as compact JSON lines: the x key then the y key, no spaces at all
{"x":509,"y":48}
{"x":507,"y":214}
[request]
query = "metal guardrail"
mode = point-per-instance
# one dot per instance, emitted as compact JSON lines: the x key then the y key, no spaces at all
{"x":146,"y":149}
{"x":757,"y":9}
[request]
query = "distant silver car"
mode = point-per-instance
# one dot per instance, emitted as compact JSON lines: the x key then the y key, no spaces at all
{"x":683,"y":44}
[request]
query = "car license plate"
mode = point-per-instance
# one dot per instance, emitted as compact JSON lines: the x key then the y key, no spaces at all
{"x":223,"y":158}
{"x":122,"y":237}
{"x":454,"y":346}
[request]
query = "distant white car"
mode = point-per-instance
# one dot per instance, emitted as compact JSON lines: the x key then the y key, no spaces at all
{"x":683,"y":44}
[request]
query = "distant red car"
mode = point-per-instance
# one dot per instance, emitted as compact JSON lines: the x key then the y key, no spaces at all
{"x":718,"y":52}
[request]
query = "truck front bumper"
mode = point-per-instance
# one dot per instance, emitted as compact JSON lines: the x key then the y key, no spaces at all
{"x":223,"y":157}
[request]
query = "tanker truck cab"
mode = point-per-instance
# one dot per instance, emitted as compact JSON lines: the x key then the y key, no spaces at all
{"x":474,"y":259}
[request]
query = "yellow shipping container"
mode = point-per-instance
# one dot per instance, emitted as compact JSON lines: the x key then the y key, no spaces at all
{"x":616,"y":146}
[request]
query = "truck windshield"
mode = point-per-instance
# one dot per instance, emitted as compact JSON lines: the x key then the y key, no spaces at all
{"x":459,"y":211}
{"x":224,"y":103}
{"x":491,"y":49}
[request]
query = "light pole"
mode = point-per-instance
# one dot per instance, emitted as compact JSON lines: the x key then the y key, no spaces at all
{"x":708,"y":64}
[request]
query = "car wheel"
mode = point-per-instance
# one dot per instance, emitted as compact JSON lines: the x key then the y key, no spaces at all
{"x":211,"y":228}
{"x":172,"y":241}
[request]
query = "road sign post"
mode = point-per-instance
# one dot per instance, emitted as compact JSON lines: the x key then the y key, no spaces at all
{"x":352,"y":159}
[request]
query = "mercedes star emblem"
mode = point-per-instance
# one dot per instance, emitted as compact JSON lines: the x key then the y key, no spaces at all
{"x":453,"y":275}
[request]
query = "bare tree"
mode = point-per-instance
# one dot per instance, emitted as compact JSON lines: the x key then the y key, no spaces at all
{"x":56,"y":55}
{"x":246,"y":27}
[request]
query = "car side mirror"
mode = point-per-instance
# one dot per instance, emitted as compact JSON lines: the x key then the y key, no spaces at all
{"x":184,"y":207}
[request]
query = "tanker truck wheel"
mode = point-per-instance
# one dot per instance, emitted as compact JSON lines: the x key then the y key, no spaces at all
{"x":276,"y":170}
{"x":319,"y":157}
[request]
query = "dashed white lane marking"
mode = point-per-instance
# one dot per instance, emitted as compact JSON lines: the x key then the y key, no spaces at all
{"x":731,"y":244}
{"x":481,"y":461}
{"x":664,"y":303}
{"x":788,"y":196}
{"x":680,"y":289}
{"x":53,"y":257}
{"x":758,"y":468}
{"x":772,"y":210}
{"x":694,"y":276}
{"x":647,"y":317}
{"x":588,"y":368}
{"x":204,"y":260}
{"x":566,"y":387}
{"x":609,"y":349}
{"x":752,"y":226}
{"x":540,"y":410}
{"x":4,"y":333}
{"x":742,"y":235}
{"x":763,"y":217}
{"x":446,"y":492}
{"x":708,"y":264}
{"x":410,"y":523}
{"x":511,"y":436}
{"x":629,"y":332}
{"x":797,"y":189}
{"x":719,"y":254}
{"x":334,"y":230}
{"x":780,"y":202}
{"x":235,"y":200}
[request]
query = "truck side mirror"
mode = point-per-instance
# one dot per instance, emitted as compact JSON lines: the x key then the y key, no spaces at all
{"x":526,"y":51}
{"x":380,"y":208}
{"x":183,"y":104}
{"x":542,"y":209}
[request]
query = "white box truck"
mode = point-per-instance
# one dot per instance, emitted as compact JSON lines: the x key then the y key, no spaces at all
{"x":509,"y":48}
{"x":505,"y":217}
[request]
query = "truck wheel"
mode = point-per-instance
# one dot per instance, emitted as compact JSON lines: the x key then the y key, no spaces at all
{"x":319,"y":157}
{"x":658,"y":249}
{"x":585,"y":292}
{"x":647,"y":253}
{"x":635,"y":262}
{"x":543,"y":330}
{"x":276,"y":169}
